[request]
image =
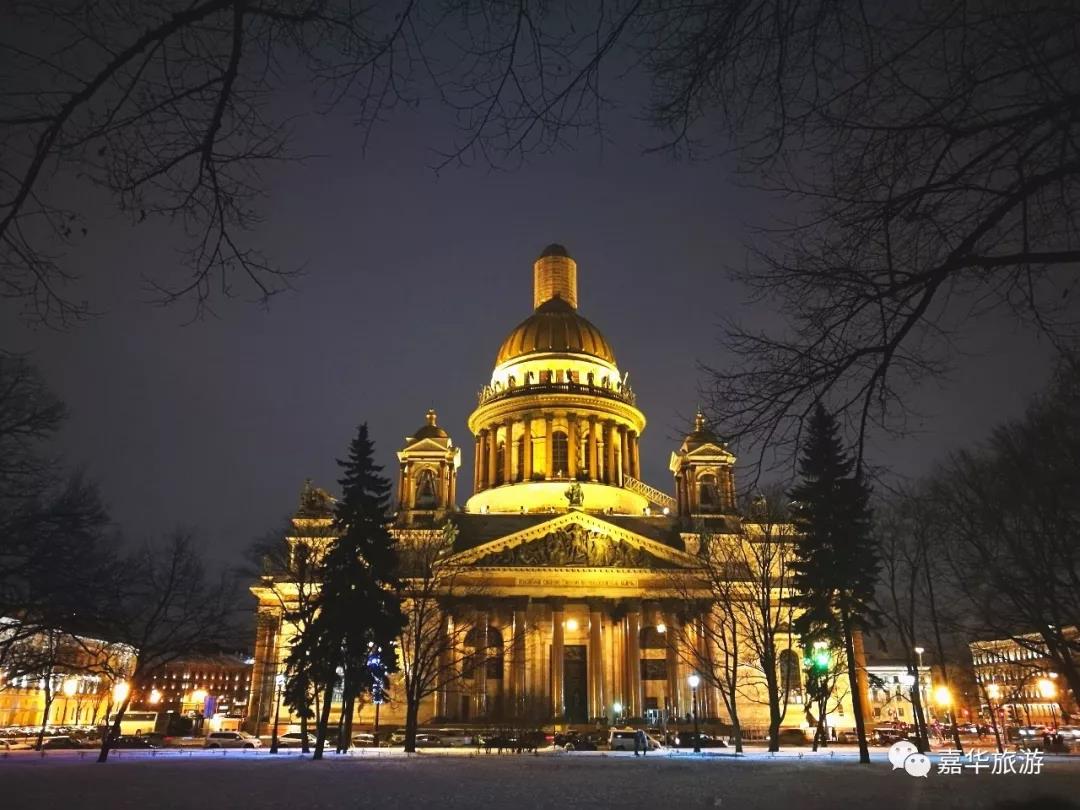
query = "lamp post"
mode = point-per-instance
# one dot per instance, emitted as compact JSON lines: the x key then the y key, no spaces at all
{"x":279,"y":682}
{"x":661,"y":628}
{"x":617,"y":709}
{"x":695,"y":681}
{"x":919,"y":651}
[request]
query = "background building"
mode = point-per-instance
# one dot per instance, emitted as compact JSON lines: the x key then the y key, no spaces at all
{"x":1018,"y":681}
{"x":205,"y":685}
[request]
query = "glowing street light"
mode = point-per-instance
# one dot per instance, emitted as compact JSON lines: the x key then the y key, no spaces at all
{"x":661,"y":628}
{"x":1048,"y":690}
{"x":572,"y":625}
{"x":121,"y":691}
{"x":155,"y":697}
{"x":993,"y":691}
{"x":919,"y":651}
{"x":695,"y":681}
{"x":199,"y":695}
{"x":942,"y":696}
{"x":617,"y":708}
{"x":71,"y":686}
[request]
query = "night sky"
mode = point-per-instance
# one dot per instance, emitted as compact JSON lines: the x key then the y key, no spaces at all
{"x":412,"y":281}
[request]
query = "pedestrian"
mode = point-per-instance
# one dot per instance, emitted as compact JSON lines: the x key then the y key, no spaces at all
{"x":640,"y":737}
{"x":637,"y":743}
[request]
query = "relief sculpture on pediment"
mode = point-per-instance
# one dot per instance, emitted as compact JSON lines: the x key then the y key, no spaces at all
{"x":574,"y":546}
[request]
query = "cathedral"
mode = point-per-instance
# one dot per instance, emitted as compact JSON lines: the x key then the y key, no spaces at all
{"x":569,"y":557}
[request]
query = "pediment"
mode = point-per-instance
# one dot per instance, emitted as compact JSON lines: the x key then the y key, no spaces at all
{"x":576,"y":540}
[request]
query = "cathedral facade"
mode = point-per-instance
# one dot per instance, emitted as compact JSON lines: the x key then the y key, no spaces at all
{"x":575,"y":571}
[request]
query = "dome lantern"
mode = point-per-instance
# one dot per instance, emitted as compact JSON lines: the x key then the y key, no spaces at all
{"x":554,"y":276}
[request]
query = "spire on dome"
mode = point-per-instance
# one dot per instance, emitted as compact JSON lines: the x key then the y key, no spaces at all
{"x":554,"y":276}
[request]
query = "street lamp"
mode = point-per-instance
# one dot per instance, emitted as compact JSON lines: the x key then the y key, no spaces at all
{"x":70,"y":687}
{"x":120,"y":691}
{"x":155,"y":697}
{"x":279,"y":682}
{"x":695,"y":681}
{"x":617,"y":708}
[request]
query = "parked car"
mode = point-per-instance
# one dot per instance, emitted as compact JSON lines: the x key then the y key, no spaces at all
{"x":294,"y":739}
{"x":428,"y":741}
{"x":365,"y":739}
{"x":58,"y":743}
{"x":14,"y":745}
{"x":793,"y":736}
{"x":232,"y":739}
{"x":622,"y":739}
{"x":577,"y":741}
{"x":688,"y":739}
{"x":848,"y":736}
{"x":456,"y":737}
{"x":134,"y":741}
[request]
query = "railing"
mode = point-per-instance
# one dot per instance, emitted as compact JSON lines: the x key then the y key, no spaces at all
{"x":653,"y":495}
{"x":622,"y":393}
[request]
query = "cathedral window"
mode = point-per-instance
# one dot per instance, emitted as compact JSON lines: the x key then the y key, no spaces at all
{"x":790,"y":674}
{"x":708,"y":496}
{"x":425,"y":490}
{"x":560,"y":453}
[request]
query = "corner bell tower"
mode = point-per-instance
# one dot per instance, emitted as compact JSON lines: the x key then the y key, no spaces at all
{"x":427,"y":478}
{"x":704,"y":473}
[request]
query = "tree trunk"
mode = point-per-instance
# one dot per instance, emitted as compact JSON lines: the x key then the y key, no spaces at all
{"x":324,"y":721}
{"x":49,"y":698}
{"x":853,"y":684}
{"x":412,"y":710}
{"x":922,"y":736}
{"x":775,"y":715}
{"x":114,"y":730}
{"x":736,"y":725}
{"x":305,"y":748}
{"x":940,"y":648}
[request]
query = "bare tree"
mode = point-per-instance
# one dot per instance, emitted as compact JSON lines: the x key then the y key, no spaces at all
{"x":165,"y":606}
{"x":430,"y":646}
{"x":1007,"y":523}
{"x":745,"y":629}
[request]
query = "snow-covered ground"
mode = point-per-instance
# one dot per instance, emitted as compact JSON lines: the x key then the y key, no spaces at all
{"x":444,"y":781}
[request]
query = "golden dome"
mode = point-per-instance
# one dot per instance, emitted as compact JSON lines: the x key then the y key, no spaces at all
{"x":555,"y":327}
{"x":430,"y":430}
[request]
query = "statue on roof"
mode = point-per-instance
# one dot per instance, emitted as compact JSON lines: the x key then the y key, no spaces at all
{"x":314,"y":501}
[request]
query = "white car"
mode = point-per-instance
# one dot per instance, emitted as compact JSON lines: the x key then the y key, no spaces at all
{"x":622,"y":739}
{"x":232,"y":739}
{"x":294,"y":739}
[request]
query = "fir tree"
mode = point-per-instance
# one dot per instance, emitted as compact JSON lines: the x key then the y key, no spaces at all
{"x":358,"y":607}
{"x":836,"y":565}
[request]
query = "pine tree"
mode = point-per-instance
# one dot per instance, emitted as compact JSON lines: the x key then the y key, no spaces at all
{"x":836,"y":565}
{"x":358,"y":607}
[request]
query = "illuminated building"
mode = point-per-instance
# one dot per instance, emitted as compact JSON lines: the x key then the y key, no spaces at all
{"x":81,"y":673}
{"x":566,"y":555}
{"x":205,"y":684}
{"x":1020,"y":682}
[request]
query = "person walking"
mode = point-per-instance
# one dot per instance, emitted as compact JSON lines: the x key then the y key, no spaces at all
{"x":637,"y":743}
{"x":641,"y":738}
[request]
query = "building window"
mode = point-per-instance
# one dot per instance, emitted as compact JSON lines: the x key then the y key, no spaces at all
{"x":425,"y":490}
{"x":559,"y":454}
{"x":790,"y":674}
{"x":653,"y":669}
{"x":651,"y":639}
{"x":708,"y":496}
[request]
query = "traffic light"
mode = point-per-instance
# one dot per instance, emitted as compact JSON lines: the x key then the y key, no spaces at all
{"x":821,"y":660}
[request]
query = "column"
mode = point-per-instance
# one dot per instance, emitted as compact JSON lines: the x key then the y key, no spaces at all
{"x":517,"y":664}
{"x":451,"y":680}
{"x":508,"y":453}
{"x":446,"y":662}
{"x":713,"y":699}
{"x":549,"y":436}
{"x":452,"y":475}
{"x":558,"y":699}
{"x":674,"y":676}
{"x":631,"y":446}
{"x":493,"y":455}
{"x":571,"y":446}
{"x":481,"y":622}
{"x":624,"y":455}
{"x":596,"y":660}
{"x":526,"y":447}
{"x":633,"y":658}
{"x":610,"y":474}
{"x":593,"y":468}
{"x":476,"y":465}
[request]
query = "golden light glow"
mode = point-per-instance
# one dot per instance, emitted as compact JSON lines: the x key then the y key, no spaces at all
{"x":71,"y":686}
{"x":571,"y":625}
{"x":1047,"y":688}
{"x":661,"y":628}
{"x":993,"y":691}
{"x":155,"y":697}
{"x":199,"y":695}
{"x":943,"y":696}
{"x":120,"y":691}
